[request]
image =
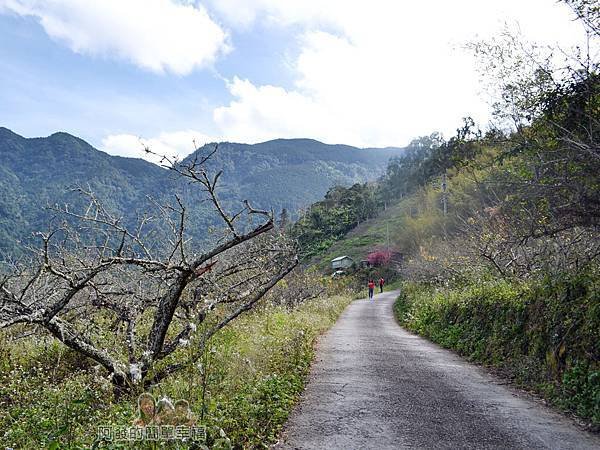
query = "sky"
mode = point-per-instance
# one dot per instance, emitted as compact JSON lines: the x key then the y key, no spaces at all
{"x":172,"y":74}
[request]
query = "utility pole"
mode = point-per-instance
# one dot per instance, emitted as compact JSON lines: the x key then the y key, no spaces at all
{"x":444,"y":194}
{"x":387,"y":234}
{"x":445,"y":201}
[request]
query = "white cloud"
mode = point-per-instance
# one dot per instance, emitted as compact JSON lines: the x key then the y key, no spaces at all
{"x":265,"y":112}
{"x":376,"y":73}
{"x":172,"y":144}
{"x":368,"y":74}
{"x":157,"y":35}
{"x":353,"y":94}
{"x":284,"y":13}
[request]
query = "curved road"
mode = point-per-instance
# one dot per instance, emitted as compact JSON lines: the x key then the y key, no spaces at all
{"x":376,"y":386}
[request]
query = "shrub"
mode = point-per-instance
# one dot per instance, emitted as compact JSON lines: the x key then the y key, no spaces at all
{"x":545,"y":334}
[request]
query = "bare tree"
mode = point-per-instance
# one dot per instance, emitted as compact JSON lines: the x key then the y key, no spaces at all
{"x":299,"y":287}
{"x":547,"y":106}
{"x":588,"y":11}
{"x":110,"y":293}
{"x":497,"y":240}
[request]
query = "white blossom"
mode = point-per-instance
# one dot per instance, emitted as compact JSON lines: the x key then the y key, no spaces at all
{"x":136,"y":373}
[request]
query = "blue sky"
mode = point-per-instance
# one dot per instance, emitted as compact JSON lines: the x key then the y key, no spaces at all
{"x":168,"y":72}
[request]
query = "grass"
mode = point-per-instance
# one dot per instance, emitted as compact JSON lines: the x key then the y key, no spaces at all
{"x":242,"y":391}
{"x":393,"y":285}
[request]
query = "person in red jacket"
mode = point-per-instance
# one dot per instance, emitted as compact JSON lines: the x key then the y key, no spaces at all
{"x":381,"y":283}
{"x":371,"y":288}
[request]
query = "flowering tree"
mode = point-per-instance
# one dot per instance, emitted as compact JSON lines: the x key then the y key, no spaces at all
{"x":379,"y":257}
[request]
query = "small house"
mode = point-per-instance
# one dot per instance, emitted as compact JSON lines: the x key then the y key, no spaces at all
{"x":341,"y":262}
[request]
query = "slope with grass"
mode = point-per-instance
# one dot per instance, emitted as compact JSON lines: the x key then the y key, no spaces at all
{"x":366,"y":237}
{"x":542,"y":335}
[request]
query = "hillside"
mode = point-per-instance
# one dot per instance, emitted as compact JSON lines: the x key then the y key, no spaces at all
{"x":365,"y":238}
{"x":38,"y":172}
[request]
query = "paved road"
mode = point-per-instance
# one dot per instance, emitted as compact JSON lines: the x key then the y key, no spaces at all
{"x":376,"y":386}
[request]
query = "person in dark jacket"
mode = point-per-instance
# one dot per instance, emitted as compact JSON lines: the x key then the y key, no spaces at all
{"x":381,"y":283}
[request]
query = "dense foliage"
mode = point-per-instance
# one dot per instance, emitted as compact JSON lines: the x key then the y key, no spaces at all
{"x":343,"y":209}
{"x":35,"y":173}
{"x":326,"y":221}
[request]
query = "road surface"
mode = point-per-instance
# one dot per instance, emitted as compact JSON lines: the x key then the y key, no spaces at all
{"x":376,"y":386}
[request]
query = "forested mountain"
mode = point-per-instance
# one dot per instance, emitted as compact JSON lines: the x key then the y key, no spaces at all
{"x":292,"y":173}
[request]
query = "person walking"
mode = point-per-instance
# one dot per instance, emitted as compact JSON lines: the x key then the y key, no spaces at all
{"x":381,"y":283}
{"x":371,"y":289}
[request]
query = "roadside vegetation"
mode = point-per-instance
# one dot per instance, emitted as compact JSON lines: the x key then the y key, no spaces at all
{"x":242,"y":389}
{"x":544,"y":335}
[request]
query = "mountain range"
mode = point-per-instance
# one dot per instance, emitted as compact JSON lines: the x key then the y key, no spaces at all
{"x":277,"y":174}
